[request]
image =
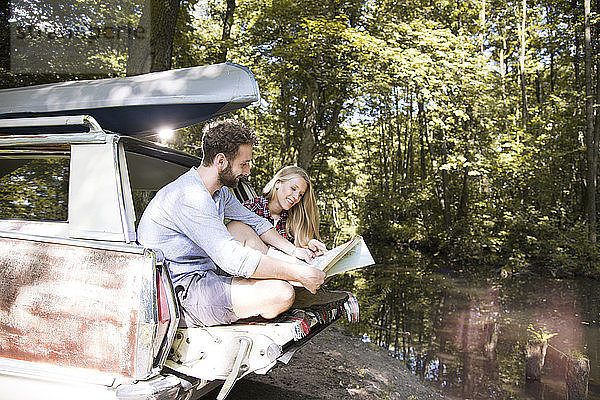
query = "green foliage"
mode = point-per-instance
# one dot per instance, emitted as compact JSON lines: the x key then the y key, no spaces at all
{"x":540,"y":335}
{"x":34,"y":189}
{"x":409,"y":118}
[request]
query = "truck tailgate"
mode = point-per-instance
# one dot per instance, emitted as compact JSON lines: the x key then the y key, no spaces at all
{"x":76,"y":307}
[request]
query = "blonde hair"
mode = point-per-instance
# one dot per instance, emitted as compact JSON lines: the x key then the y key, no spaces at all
{"x":303,"y":218}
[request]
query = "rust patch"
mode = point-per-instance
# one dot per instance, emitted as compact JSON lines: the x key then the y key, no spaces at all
{"x":70,"y":306}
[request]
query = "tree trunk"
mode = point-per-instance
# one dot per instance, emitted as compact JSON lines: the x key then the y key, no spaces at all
{"x":423,"y":137}
{"x":422,"y":161}
{"x":464,"y":196}
{"x":4,"y":36}
{"x":444,"y":189}
{"x":538,"y":88}
{"x":384,"y":159}
{"x":227,"y":24}
{"x":551,"y":47}
{"x":286,"y":136}
{"x":522,"y":39}
{"x":398,"y":167}
{"x":590,"y":139}
{"x":503,"y":66}
{"x":536,"y":357}
{"x":577,"y":374}
{"x":482,"y":26}
{"x":409,"y":157}
{"x":309,"y":124}
{"x":440,"y":185}
{"x":154,"y":52}
{"x":596,"y":107}
{"x":551,"y":71}
{"x":577,"y":42}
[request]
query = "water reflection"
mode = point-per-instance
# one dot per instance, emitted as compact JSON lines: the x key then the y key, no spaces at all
{"x":467,"y":336}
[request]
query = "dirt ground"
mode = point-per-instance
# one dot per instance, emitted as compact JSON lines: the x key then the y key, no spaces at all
{"x":333,"y":366}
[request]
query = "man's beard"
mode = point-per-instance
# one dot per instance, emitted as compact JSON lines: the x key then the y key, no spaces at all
{"x":226,"y":177}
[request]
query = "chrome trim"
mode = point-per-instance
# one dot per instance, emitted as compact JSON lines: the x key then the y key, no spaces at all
{"x":95,"y":134}
{"x":127,"y":192}
{"x":175,"y":316}
{"x":147,"y":323}
{"x":64,"y":138}
{"x":120,"y":174}
{"x":51,"y":121}
{"x":131,"y":248}
{"x":48,"y":372}
{"x":167,"y":387}
{"x":33,"y":154}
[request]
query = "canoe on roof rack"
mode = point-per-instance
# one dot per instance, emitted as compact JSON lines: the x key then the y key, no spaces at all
{"x":137,"y":105}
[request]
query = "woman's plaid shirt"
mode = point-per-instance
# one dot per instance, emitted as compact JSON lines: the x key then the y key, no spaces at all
{"x":260,"y":206}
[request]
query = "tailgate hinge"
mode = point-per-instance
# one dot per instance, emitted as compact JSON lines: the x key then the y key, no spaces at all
{"x":240,"y":366}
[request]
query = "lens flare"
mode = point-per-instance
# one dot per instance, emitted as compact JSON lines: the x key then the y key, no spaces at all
{"x":165,"y":134}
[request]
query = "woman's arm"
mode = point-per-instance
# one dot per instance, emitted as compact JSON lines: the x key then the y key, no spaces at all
{"x":272,"y":238}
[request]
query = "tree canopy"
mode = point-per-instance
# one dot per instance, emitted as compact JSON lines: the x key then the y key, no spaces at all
{"x":462,"y":130}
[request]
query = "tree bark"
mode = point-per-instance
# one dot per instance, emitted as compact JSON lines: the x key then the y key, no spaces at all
{"x":286,"y":136}
{"x":309,"y":124}
{"x":522,"y":39}
{"x":409,"y":157}
{"x":577,"y":43}
{"x":577,"y":373}
{"x":591,"y":142}
{"x":154,"y":52}
{"x":441,"y":184}
{"x":464,"y":196}
{"x":444,"y":189}
{"x":398,"y":167}
{"x":536,"y":357}
{"x":423,"y":137}
{"x":503,"y":67}
{"x":551,"y":47}
{"x":226,"y":36}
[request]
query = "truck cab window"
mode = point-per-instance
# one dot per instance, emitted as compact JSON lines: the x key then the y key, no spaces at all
{"x":34,"y":187}
{"x":147,"y":175}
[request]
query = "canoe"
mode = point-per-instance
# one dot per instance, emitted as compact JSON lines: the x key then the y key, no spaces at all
{"x":140,"y":104}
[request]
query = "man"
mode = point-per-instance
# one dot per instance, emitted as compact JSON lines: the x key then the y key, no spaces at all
{"x":217,"y":278}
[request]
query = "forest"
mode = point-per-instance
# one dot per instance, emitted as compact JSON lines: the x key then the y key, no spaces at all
{"x":464,"y":132}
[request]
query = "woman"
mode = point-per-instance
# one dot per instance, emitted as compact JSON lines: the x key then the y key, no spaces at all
{"x":288,"y":202}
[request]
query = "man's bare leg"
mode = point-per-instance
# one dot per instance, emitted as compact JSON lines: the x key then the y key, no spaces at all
{"x":251,"y":297}
{"x":265,"y":297}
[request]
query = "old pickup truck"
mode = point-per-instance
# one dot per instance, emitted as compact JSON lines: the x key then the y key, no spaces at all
{"x":85,"y":311}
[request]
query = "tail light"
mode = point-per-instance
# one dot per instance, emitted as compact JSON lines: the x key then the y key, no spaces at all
{"x":166,"y":316}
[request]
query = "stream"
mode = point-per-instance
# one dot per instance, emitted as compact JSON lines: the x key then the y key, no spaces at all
{"x":466,"y":334}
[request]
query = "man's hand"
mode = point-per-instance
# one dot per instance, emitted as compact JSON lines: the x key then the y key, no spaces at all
{"x":311,"y":278}
{"x":317,"y":247}
{"x":303,"y":254}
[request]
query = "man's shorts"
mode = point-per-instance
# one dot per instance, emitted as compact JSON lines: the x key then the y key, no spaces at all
{"x":205,"y":299}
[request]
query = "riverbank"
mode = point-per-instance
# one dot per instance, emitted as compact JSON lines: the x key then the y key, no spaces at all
{"x":333,"y":366}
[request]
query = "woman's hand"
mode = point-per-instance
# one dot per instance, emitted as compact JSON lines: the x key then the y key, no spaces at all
{"x":303,"y":254}
{"x":317,"y":247}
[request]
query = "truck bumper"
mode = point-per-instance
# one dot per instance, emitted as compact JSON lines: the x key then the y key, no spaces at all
{"x":162,"y":387}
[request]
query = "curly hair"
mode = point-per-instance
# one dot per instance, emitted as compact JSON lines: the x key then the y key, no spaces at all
{"x":225,"y":136}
